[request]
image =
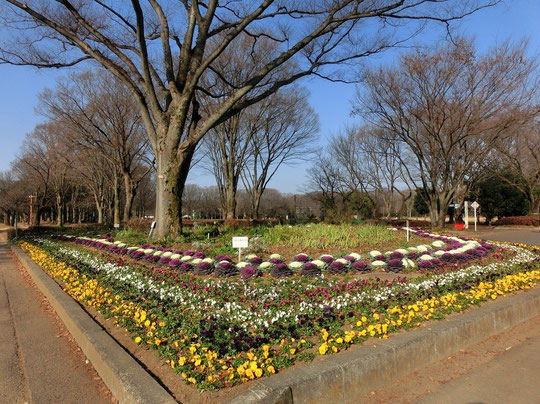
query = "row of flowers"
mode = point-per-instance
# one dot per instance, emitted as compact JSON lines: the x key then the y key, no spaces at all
{"x":218,"y":333}
{"x":442,"y":251}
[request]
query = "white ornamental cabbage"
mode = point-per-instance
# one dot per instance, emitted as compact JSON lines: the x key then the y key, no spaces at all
{"x":437,"y":244}
{"x":378,"y":264}
{"x":175,"y":256}
{"x":422,"y":248}
{"x":408,"y":263}
{"x":296,"y":265}
{"x":158,"y":253}
{"x":425,"y":257}
{"x":439,"y":253}
{"x":242,"y":265}
{"x":402,"y":251}
{"x":412,"y":249}
{"x":320,"y":264}
{"x":209,"y":260}
{"x":148,"y":251}
{"x":265,"y":265}
{"x":276,"y":257}
{"x":196,"y":261}
{"x":374,"y":253}
{"x":167,"y":254}
{"x":356,"y":256}
{"x":121,"y":245}
{"x":186,"y":258}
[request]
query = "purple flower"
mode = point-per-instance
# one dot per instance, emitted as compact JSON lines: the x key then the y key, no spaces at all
{"x":425,"y":265}
{"x":447,"y":257}
{"x":255,"y":260}
{"x":185,"y":267}
{"x":310,"y":269}
{"x":174,"y":263}
{"x":337,"y":267}
{"x":250,"y":272}
{"x":360,"y":266}
{"x":281,"y":270}
{"x":302,"y":258}
{"x":327,"y":259}
{"x":276,"y":261}
{"x":349,"y":258}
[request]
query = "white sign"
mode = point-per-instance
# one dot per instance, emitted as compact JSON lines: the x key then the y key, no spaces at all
{"x":475,"y":205}
{"x":240,"y":242}
{"x":117,"y":225}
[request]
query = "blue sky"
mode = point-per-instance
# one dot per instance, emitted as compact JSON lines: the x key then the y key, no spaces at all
{"x":512,"y":19}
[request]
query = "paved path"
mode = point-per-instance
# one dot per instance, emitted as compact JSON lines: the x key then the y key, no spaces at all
{"x":39,"y":362}
{"x":502,"y":369}
{"x":529,"y":236}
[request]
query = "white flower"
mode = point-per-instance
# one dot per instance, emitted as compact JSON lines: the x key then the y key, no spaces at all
{"x":296,"y":265}
{"x":320,"y":264}
{"x":408,"y":263}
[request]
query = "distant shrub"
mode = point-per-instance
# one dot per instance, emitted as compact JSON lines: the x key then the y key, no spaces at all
{"x":518,"y":221}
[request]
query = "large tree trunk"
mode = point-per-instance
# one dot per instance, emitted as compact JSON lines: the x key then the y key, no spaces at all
{"x":172,"y":172}
{"x":116,"y":202}
{"x":534,"y":202}
{"x":60,"y":209}
{"x":256,"y":204}
{"x":230,"y":200}
{"x":130,"y":196}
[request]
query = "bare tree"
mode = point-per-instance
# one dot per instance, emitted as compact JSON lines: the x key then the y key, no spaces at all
{"x":285,"y":130}
{"x":103,"y":118}
{"x":162,"y":51}
{"x":450,"y":106}
{"x":520,"y":154}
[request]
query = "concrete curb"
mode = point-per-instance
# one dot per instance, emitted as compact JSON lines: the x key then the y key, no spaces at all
{"x":347,"y":376}
{"x":124,"y":377}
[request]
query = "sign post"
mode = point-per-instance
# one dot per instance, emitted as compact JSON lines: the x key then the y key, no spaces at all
{"x":466,"y":211}
{"x":475,"y":206}
{"x":408,"y":235}
{"x":152,"y":227}
{"x":240,"y":242}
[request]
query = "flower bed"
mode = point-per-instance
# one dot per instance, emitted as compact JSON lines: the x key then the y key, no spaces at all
{"x":438,"y":254}
{"x":216,"y":333}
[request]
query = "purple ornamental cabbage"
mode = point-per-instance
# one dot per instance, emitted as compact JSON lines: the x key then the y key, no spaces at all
{"x":302,"y":258}
{"x":310,"y":269}
{"x":360,"y":266}
{"x":174,"y":263}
